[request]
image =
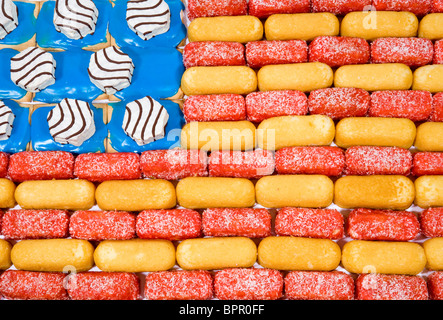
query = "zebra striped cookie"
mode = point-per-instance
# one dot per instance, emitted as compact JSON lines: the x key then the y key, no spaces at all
{"x":75,"y":18}
{"x":8,"y":18}
{"x":148,"y":18}
{"x":33,"y":69}
{"x":71,"y":121}
{"x":145,"y":120}
{"x":6,"y":121}
{"x":110,"y":69}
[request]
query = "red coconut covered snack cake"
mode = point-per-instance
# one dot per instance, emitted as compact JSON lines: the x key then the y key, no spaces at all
{"x":29,"y":285}
{"x":329,"y":161}
{"x":100,"y":167}
{"x":312,"y":285}
{"x":102,"y":225}
{"x":216,"y":107}
{"x":411,"y":104}
{"x":213,"y":53}
{"x":103,"y":286}
{"x":262,"y":105}
{"x":262,"y":53}
{"x":339,"y":103}
{"x":361,"y":160}
{"x":179,"y":285}
{"x":43,"y":165}
{"x":175,"y":224}
{"x":390,"y":287}
{"x":210,"y":8}
{"x":241,"y":222}
{"x":339,"y":51}
{"x":413,"y":52}
{"x":368,"y":224}
{"x":35,"y":224}
{"x":313,"y":223}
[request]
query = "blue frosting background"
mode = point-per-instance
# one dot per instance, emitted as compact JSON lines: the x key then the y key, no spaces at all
{"x":157,"y":73}
{"x":8,"y":89}
{"x":21,"y":130}
{"x":121,"y":142}
{"x":43,"y":141}
{"x":48,"y":37}
{"x":26,"y":25}
{"x":71,"y":78}
{"x":124,"y":36}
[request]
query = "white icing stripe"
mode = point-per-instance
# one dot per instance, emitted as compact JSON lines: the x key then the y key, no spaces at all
{"x":33,"y":69}
{"x":75,"y":18}
{"x":110,"y":69}
{"x":8,"y":17}
{"x":145,"y":120}
{"x":6,"y":121}
{"x":71,"y":121}
{"x":148,"y":18}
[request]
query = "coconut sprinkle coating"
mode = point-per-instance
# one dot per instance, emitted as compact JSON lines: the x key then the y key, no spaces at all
{"x":178,"y":285}
{"x":367,"y":224}
{"x":367,"y":160}
{"x":241,"y":222}
{"x":174,"y":164}
{"x":214,"y":8}
{"x":437,"y":108}
{"x":427,"y":163}
{"x":41,"y":165}
{"x":28,"y":285}
{"x":339,"y":103}
{"x":411,"y":104}
{"x":215,"y":107}
{"x":431,"y":221}
{"x":435,"y":285}
{"x":269,"y":104}
{"x":174,"y":224}
{"x":414,"y":52}
{"x":35,"y":224}
{"x":4,"y":161}
{"x":329,"y":161}
{"x":339,"y":7}
{"x":313,"y":223}
{"x":418,"y":7}
{"x":248,"y":284}
{"x":265,"y":8}
{"x":390,"y":287}
{"x":316,"y":285}
{"x":437,"y":6}
{"x":438,"y":52}
{"x":100,"y":167}
{"x":238,"y":164}
{"x":102,"y":225}
{"x":104,"y":286}
{"x":339,"y":51}
{"x":262,"y":53}
{"x":213,"y":53}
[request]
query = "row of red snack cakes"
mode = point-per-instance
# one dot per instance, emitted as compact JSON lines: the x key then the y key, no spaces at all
{"x":173,"y":224}
{"x":227,"y":284}
{"x":180,"y":224}
{"x":265,"y":8}
{"x":337,"y":103}
{"x":179,"y":163}
{"x":334,"y":51}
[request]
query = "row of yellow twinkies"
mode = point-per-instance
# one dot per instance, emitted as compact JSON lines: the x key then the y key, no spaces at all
{"x":312,"y":130}
{"x":310,"y":76}
{"x":281,"y":253}
{"x":307,"y":26}
{"x":277,"y":191}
